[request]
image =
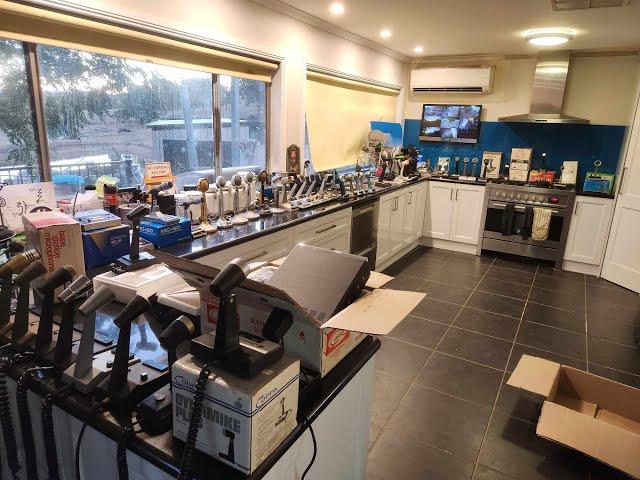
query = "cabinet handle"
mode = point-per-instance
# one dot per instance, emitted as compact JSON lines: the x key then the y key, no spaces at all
{"x":326,"y":229}
{"x":577,"y":208}
{"x":410,"y":198}
{"x":457,"y":194}
{"x":451,"y":194}
{"x":261,"y":254}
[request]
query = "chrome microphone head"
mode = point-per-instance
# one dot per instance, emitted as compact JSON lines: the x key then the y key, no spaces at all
{"x":250,"y":177}
{"x":221,"y":182}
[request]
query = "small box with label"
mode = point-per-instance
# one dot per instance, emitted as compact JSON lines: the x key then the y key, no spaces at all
{"x":165,"y":235}
{"x":105,"y":245}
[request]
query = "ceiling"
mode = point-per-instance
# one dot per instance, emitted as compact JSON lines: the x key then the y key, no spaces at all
{"x":472,"y":27}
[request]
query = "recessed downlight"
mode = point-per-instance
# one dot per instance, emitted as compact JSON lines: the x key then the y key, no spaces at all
{"x":336,"y":8}
{"x":418,"y":49}
{"x":549,"y":37}
{"x":385,"y":33}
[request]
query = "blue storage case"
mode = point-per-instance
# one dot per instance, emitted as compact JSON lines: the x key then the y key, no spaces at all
{"x":104,"y":246}
{"x":165,"y":235}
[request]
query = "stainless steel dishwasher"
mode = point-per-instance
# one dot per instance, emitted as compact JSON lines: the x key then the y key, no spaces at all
{"x":364,"y":225}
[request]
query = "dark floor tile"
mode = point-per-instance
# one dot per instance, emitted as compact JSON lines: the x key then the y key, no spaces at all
{"x":600,"y":471}
{"x":425,"y":270}
{"x":620,"y":313}
{"x":484,"y":473}
{"x":475,"y":347}
{"x":399,"y":456}
{"x":400,"y":360}
{"x":561,"y":284}
{"x":519,"y":350}
{"x":436,"y":251}
{"x":419,"y":331}
{"x":507,"y":289}
{"x":374,"y":433}
{"x":404,"y":282}
{"x":440,"y":420}
{"x":556,"y":298}
{"x":388,"y":392}
{"x":550,"y":270}
{"x":455,"y":277}
{"x":461,"y":379}
{"x":496,"y":304}
{"x":517,"y":263}
{"x":519,"y":403}
{"x":613,"y":294}
{"x":436,"y":310}
{"x":488,"y":323}
{"x":615,"y":375}
{"x":512,"y":447}
{"x":445,"y":292}
{"x":552,"y":339}
{"x":609,"y":354}
{"x":610,"y":329}
{"x":555,"y":317}
{"x":507,"y":275}
{"x":471,"y":265}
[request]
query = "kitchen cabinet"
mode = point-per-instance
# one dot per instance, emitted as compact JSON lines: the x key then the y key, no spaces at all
{"x":400,"y":219}
{"x":332,"y":231}
{"x":588,"y":230}
{"x":453,"y":212}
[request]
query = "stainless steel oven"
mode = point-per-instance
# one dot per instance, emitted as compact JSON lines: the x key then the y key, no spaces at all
{"x":513,"y":236}
{"x":364,"y":224}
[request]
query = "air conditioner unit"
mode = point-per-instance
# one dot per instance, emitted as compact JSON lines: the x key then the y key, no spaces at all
{"x":454,"y":79}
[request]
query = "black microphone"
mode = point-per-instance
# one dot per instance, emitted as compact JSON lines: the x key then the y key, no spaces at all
{"x":232,"y":275}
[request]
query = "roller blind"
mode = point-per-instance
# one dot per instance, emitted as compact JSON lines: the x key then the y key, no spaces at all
{"x":36,"y":25}
{"x":338,"y":113}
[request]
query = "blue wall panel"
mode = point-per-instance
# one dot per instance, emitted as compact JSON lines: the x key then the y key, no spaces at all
{"x":584,"y":143}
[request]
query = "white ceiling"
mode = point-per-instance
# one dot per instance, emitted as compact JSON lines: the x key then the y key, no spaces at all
{"x":470,"y":27}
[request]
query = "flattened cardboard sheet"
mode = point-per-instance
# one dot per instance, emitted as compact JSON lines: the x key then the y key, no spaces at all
{"x":535,"y":375}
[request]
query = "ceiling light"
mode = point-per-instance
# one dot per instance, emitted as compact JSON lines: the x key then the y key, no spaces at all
{"x":549,"y":37}
{"x":385,"y":33}
{"x":336,"y":8}
{"x":418,"y":49}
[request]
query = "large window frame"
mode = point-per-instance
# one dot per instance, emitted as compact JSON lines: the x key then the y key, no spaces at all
{"x":40,"y":131}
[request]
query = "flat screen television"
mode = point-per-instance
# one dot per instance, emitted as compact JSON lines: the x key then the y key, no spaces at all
{"x":450,"y":123}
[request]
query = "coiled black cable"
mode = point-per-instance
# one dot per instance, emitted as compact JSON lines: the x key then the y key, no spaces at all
{"x":24,"y":416}
{"x":6,"y":420}
{"x":49,"y":434}
{"x":194,"y":422}
{"x":315,"y":451}
{"x":121,"y":452}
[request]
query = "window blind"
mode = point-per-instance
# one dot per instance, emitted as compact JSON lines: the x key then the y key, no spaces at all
{"x":339,"y":112}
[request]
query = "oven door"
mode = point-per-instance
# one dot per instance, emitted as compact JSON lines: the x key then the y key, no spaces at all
{"x":493,"y":225}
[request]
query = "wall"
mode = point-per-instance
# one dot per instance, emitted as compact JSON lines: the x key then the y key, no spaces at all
{"x":252,"y":26}
{"x":601,"y":89}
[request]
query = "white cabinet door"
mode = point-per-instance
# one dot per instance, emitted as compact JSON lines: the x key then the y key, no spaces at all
{"x":588,"y":230}
{"x":384,"y":229}
{"x":622,"y":260}
{"x":468,"y":203}
{"x":413,"y":215}
{"x":396,"y":226}
{"x":439,"y":210}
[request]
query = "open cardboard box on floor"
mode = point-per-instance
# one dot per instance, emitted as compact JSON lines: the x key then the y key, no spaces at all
{"x":319,"y":346}
{"x":591,"y":414}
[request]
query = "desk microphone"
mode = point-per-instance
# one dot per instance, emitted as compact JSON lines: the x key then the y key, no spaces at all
{"x":19,"y":262}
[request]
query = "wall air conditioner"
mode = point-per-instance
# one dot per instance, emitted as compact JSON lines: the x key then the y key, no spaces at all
{"x":454,"y":79}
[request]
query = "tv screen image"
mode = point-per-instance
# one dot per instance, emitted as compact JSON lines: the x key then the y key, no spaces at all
{"x":450,"y":123}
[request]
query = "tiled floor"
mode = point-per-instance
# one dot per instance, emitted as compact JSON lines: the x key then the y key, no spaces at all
{"x":442,"y":408}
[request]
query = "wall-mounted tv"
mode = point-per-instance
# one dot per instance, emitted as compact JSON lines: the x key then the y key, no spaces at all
{"x":450,"y":123}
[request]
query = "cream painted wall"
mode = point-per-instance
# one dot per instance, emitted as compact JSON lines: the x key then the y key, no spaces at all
{"x":600,"y":89}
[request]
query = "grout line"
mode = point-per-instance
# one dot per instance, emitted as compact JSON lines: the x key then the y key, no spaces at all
{"x":495,"y":403}
{"x":428,"y":358}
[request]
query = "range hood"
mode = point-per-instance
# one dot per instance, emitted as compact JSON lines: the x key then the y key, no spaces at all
{"x":549,"y":86}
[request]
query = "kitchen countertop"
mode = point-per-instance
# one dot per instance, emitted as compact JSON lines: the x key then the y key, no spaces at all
{"x":209,"y":244}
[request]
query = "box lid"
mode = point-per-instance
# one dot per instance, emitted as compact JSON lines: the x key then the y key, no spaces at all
{"x":48,"y":219}
{"x":535,"y":375}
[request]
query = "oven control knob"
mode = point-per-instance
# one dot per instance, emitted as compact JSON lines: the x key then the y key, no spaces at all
{"x":554,"y":200}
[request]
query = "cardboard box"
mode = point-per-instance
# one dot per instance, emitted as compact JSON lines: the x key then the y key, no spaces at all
{"x":103,"y":246}
{"x":591,"y":414}
{"x":244,"y":420}
{"x":319,"y":345}
{"x":57,"y":237}
{"x":165,"y":235}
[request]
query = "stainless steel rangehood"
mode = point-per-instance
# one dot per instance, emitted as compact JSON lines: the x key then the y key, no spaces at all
{"x":549,"y":85}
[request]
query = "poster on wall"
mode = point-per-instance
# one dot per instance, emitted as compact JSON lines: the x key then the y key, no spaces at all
{"x":16,"y":200}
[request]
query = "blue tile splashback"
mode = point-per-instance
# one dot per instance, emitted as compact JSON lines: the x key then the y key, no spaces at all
{"x":584,"y":143}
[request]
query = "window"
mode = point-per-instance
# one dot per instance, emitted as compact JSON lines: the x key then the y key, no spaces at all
{"x":18,"y":157}
{"x":108,"y":116}
{"x":243,"y":124}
